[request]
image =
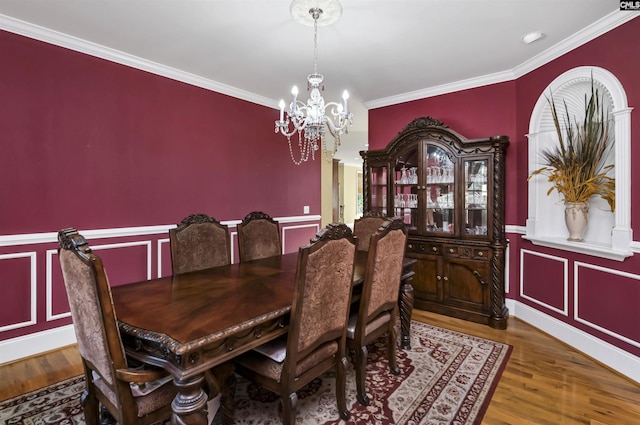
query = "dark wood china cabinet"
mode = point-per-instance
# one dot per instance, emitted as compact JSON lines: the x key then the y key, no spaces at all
{"x":450,"y":192}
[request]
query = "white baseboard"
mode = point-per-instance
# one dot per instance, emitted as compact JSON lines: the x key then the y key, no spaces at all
{"x":36,"y":343}
{"x":613,"y":357}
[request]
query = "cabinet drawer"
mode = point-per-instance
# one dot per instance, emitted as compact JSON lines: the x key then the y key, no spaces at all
{"x":481,"y":253}
{"x":455,"y":251}
{"x":452,"y":250}
{"x":424,"y":248}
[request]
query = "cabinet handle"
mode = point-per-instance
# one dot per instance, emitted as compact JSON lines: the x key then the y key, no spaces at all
{"x":450,"y":250}
{"x":480,"y":253}
{"x":446,"y":279}
{"x":434,"y":249}
{"x":438,"y":277}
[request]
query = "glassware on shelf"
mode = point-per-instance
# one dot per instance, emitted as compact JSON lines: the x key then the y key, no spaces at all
{"x":413,"y":175}
{"x":403,"y":175}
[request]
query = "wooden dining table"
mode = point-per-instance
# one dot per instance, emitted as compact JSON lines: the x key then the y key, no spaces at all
{"x":190,"y":323}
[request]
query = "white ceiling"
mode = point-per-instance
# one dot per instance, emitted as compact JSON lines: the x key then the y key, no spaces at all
{"x":382,"y":51}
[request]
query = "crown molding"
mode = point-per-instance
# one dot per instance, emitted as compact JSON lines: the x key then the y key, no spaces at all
{"x":37,"y":32}
{"x":583,"y":36}
{"x":470,"y":83}
{"x":595,"y":30}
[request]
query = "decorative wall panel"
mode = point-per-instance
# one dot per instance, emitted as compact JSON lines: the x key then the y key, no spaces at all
{"x":544,"y":280}
{"x":608,"y":300}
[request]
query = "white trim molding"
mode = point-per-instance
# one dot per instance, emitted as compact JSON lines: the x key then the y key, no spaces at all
{"x":120,"y":232}
{"x":32,"y":289}
{"x":565,"y":282}
{"x":36,"y":343}
{"x":49,"y":288}
{"x":607,"y":23}
{"x":37,"y":32}
{"x":576,"y":311}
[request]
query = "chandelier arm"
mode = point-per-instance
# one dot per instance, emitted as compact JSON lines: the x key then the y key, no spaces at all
{"x":343,"y":122}
{"x":283,"y":127}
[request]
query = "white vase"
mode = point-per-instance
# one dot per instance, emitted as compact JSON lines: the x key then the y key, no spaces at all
{"x":576,"y":216}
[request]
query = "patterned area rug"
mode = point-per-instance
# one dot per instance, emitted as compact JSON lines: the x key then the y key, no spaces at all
{"x":446,"y":378}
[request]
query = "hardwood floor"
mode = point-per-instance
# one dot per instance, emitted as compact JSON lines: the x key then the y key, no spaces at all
{"x":30,"y":374}
{"x":544,"y":383}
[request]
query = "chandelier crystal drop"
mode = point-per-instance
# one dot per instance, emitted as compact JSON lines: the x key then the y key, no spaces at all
{"x":309,"y":120}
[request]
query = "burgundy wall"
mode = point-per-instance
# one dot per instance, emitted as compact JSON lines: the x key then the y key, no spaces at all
{"x":93,"y":144}
{"x":475,"y":113}
{"x":607,"y":299}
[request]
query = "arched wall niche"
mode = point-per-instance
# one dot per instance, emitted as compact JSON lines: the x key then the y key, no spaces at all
{"x":608,"y":234}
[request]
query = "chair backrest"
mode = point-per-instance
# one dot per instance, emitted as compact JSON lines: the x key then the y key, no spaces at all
{"x":322,"y":295}
{"x":381,"y":283}
{"x":94,"y":318}
{"x":199,"y":242}
{"x":366,"y":226}
{"x":258,"y":237}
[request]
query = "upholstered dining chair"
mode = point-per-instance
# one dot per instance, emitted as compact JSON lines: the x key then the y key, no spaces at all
{"x":316,"y":338}
{"x":131,"y":395}
{"x":258,"y":237}
{"x":376,"y":313}
{"x":199,"y":242}
{"x":366,"y":226}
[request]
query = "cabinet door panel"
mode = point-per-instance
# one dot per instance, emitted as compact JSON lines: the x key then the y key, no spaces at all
{"x":378,"y":186}
{"x":440,"y":168}
{"x":467,"y":284}
{"x":476,"y":197}
{"x":406,"y":187}
{"x":425,"y":283}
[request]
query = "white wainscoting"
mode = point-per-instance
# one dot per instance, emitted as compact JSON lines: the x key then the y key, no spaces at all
{"x":39,"y":342}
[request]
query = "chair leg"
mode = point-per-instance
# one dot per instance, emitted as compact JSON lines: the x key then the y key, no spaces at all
{"x":106,"y":418}
{"x":341,"y":388}
{"x":289,"y":409}
{"x":91,"y":408}
{"x":393,"y":361}
{"x":361,"y":370}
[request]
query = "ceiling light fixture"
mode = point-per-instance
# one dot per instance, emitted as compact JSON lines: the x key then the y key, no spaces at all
{"x":532,"y":36}
{"x":309,"y":120}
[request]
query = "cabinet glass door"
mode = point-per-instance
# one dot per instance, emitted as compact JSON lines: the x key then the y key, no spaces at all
{"x":378,"y":187}
{"x":475,"y":203}
{"x":440,"y":190}
{"x":405,"y":188}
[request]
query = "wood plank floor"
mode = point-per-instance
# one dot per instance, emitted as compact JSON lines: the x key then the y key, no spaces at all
{"x":544,"y":383}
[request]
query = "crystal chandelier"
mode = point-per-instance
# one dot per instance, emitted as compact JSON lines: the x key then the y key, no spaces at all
{"x":309,"y":120}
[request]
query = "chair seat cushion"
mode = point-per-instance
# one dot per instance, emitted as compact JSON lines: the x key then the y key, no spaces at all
{"x":381,"y":320}
{"x":272,"y":369}
{"x":275,"y":349}
{"x":160,"y":396}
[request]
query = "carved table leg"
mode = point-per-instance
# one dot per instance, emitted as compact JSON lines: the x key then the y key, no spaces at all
{"x":190,"y":402}
{"x":405,"y":303}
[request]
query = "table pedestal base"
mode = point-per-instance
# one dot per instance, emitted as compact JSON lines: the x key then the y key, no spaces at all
{"x":190,"y":402}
